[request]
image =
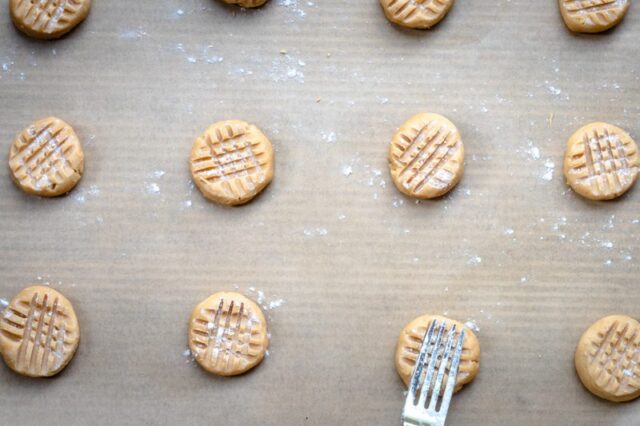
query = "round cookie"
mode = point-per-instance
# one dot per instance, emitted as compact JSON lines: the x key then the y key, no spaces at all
{"x":246,"y":3}
{"x":607,"y":358}
{"x":593,"y":16}
{"x":228,"y":334}
{"x":410,"y":341}
{"x":418,"y":14}
{"x":601,"y":161}
{"x":48,"y":19}
{"x":39,"y":332}
{"x":46,"y":158}
{"x":232,"y":162}
{"x":426,"y":156}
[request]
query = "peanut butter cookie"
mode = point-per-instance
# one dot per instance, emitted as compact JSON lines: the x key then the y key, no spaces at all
{"x":39,"y":332}
{"x":601,"y":162}
{"x":228,"y":334}
{"x":48,"y":19}
{"x":232,"y":162}
{"x":246,"y":3}
{"x":593,"y":16}
{"x":410,"y":341}
{"x":46,"y":158}
{"x":426,"y":156}
{"x":419,"y":14}
{"x":607,"y":358}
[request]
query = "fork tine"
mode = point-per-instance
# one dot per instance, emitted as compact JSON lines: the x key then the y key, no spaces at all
{"x":444,"y":361}
{"x":417,"y":370}
{"x":453,"y":374}
{"x":433,"y":356}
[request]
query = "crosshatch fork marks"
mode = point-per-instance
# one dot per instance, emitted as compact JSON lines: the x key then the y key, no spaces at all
{"x":605,"y":158}
{"x":48,"y":15}
{"x":587,"y":7}
{"x":593,"y":15}
{"x":40,"y":154}
{"x":40,"y":332}
{"x":228,"y":331}
{"x":46,"y":158}
{"x":232,"y":160}
{"x":405,"y":9}
{"x":614,"y":358}
{"x":425,"y":155}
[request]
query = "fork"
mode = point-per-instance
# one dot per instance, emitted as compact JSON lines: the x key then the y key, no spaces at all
{"x":417,"y":413}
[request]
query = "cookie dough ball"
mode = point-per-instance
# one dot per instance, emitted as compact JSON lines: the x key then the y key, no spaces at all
{"x":606,"y":358}
{"x":48,"y":19}
{"x":419,"y":14}
{"x":426,"y":156}
{"x":46,"y":158}
{"x":228,"y":334}
{"x":593,"y":16}
{"x":232,"y":162}
{"x":411,"y":338}
{"x":246,"y":3}
{"x":39,"y":332}
{"x":601,"y":162}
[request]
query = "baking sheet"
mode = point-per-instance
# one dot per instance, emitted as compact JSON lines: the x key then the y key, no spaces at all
{"x":342,"y":260}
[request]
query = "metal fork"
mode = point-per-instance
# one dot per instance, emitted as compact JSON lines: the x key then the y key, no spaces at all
{"x":417,"y":413}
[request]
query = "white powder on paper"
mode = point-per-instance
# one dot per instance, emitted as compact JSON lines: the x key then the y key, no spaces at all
{"x":133,"y":34}
{"x":315,"y":232}
{"x":329,"y":137}
{"x":474,"y":260}
{"x":267,"y":303}
{"x":152,"y":188}
{"x":550,"y":166}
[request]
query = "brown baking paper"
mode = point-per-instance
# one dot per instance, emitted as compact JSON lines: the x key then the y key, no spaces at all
{"x":343,"y":258}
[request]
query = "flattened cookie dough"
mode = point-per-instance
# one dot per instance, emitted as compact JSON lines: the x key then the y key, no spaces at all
{"x":426,"y":156}
{"x":601,"y":162}
{"x":48,"y":19}
{"x":410,"y":341}
{"x":39,"y":332}
{"x":228,"y":334}
{"x":246,"y":3}
{"x":607,"y":358}
{"x":593,"y":16}
{"x":419,"y":14}
{"x":46,"y":158}
{"x":232,"y":162}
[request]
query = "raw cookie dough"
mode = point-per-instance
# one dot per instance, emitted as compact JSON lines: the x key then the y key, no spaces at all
{"x":426,"y":156}
{"x":601,"y":162}
{"x":246,"y":3}
{"x":39,"y":332}
{"x":46,"y":158}
{"x":593,"y":16}
{"x":410,"y":341}
{"x":228,"y":334}
{"x":232,"y":162}
{"x":48,"y":19}
{"x":607,"y":358}
{"x":419,"y":14}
